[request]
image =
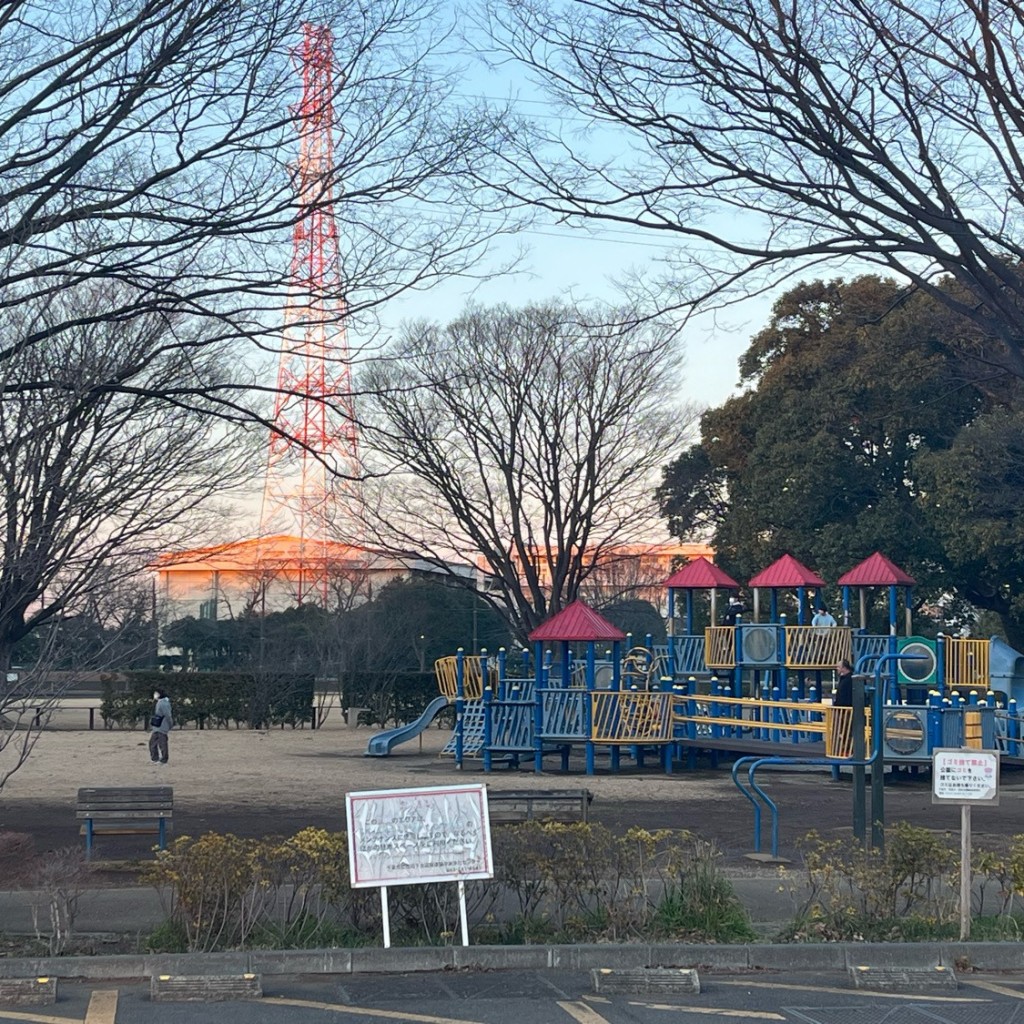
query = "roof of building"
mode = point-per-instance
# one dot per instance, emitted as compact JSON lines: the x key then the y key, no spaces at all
{"x":701,"y":574}
{"x":577,"y":622}
{"x":278,"y":551}
{"x":876,"y":571}
{"x":786,"y":572}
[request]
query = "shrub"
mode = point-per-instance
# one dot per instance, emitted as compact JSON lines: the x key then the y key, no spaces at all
{"x":17,"y":852}
{"x":211,"y":699}
{"x":908,"y":892}
{"x":569,"y":882}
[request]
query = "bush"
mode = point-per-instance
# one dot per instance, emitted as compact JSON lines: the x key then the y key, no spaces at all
{"x":906,"y":893}
{"x":211,"y":699}
{"x":17,"y":853}
{"x":390,"y":696}
{"x":564,"y":882}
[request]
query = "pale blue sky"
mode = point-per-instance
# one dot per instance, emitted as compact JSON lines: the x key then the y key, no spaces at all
{"x":562,"y":263}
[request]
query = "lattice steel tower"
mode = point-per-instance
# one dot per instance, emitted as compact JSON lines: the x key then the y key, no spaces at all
{"x":311,"y":490}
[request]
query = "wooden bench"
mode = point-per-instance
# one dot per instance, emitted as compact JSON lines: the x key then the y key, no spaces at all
{"x":533,"y":804}
{"x":125,"y":811}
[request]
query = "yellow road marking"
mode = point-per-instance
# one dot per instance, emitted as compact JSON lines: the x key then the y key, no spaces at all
{"x":712,"y":1012}
{"x":582,"y":1013}
{"x":999,"y":990}
{"x":851,"y":991}
{"x":355,"y":1010}
{"x":102,"y":1007}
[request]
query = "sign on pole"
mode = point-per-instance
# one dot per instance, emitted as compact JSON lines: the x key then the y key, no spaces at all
{"x":414,"y":836}
{"x":965,"y":776}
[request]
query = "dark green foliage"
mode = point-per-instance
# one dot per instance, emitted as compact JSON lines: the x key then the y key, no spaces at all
{"x":864,"y":427}
{"x":212,"y":699}
{"x":392,"y":696}
{"x":703,"y":906}
{"x":405,"y":627}
{"x":637,"y":618}
{"x":282,"y":640}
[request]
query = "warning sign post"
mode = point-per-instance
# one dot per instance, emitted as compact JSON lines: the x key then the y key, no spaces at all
{"x":414,"y":836}
{"x":966,"y":777}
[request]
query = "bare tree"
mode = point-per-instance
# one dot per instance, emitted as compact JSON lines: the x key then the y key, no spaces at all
{"x":152,"y":143}
{"x":772,"y":136}
{"x":523,"y":440}
{"x":96,"y":481}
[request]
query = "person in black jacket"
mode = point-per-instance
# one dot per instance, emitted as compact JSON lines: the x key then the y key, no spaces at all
{"x":735,"y":609}
{"x":842,"y":695}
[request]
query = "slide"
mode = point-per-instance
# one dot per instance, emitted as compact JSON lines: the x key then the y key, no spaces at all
{"x":381,"y":744}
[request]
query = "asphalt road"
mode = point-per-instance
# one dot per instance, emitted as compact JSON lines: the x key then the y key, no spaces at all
{"x":543,"y":997}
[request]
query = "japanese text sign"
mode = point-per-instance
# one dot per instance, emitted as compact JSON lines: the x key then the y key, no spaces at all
{"x":405,"y":836}
{"x":965,"y":776}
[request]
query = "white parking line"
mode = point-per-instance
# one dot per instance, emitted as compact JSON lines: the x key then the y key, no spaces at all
{"x":851,"y":991}
{"x":712,"y":1012}
{"x":417,"y":1018}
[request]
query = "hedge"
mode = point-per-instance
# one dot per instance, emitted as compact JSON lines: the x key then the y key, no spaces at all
{"x":211,"y":699}
{"x":389,"y":696}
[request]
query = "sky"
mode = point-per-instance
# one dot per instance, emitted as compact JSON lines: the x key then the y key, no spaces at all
{"x":563,"y":263}
{"x":581,"y":264}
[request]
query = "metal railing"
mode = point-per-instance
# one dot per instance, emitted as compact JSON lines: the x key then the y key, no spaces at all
{"x":774,"y":721}
{"x":688,"y":654}
{"x":966,"y":662}
{"x":446,"y":671}
{"x":563,"y":714}
{"x":818,"y":646}
{"x":625,"y":717}
{"x":720,"y":646}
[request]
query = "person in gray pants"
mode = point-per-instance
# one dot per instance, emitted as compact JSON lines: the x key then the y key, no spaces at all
{"x":160,"y":725}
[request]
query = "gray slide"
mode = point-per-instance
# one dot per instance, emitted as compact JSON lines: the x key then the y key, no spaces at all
{"x":381,"y":744}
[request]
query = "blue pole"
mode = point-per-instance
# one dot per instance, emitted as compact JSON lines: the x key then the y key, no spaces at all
{"x":538,"y":710}
{"x":460,"y":704}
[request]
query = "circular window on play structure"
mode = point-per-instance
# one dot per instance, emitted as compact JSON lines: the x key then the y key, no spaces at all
{"x":922,"y":668}
{"x":903,"y":732}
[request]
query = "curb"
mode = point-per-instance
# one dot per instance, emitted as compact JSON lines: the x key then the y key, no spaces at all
{"x":986,"y":956}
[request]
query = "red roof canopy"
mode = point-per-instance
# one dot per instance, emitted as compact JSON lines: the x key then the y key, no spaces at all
{"x":876,"y":571}
{"x":701,"y":574}
{"x":786,"y":572}
{"x":578,"y":621}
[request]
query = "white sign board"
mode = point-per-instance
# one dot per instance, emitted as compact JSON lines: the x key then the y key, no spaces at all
{"x":409,"y":836}
{"x":964,"y":776}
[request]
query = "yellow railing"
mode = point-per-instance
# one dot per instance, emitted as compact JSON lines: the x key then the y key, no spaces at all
{"x":818,"y":646}
{"x":720,"y":646}
{"x":625,"y":716}
{"x":972,"y":730}
{"x":733,"y":708}
{"x":839,"y":732}
{"x":833,"y":725}
{"x":967,"y":662}
{"x":446,"y":672}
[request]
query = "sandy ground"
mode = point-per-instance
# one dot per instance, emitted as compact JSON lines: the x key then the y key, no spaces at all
{"x":276,"y":782}
{"x":238,"y":769}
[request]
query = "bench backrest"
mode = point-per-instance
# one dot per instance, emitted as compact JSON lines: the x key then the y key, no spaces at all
{"x":158,"y":801}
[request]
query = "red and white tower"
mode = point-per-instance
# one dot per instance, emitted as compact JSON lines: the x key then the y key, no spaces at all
{"x":311,"y":490}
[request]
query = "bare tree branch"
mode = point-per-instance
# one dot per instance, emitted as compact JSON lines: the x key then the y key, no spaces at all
{"x":526,"y":440}
{"x":770,"y":136}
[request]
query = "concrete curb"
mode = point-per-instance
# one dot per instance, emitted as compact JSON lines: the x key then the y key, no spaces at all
{"x":839,"y":957}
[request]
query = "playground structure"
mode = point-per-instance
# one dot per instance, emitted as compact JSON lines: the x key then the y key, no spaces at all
{"x":753,"y":689}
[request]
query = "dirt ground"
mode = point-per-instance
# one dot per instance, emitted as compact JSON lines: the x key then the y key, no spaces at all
{"x":277,"y":782}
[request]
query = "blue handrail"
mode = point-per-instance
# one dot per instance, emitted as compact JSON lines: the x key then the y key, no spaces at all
{"x":876,"y":755}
